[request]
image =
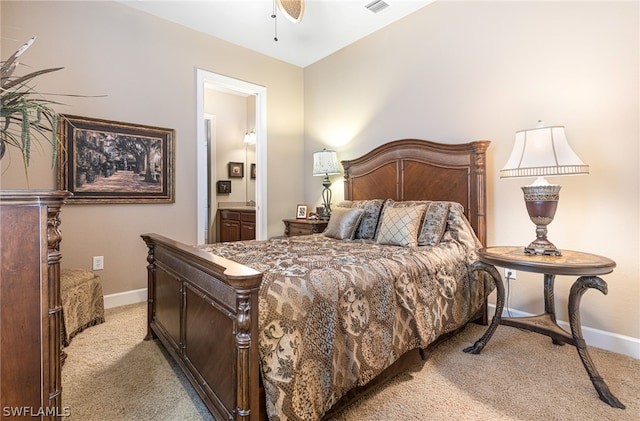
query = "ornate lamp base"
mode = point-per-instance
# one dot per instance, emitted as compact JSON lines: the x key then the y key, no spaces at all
{"x":326,"y":198}
{"x":542,"y":248}
{"x":541,"y":201}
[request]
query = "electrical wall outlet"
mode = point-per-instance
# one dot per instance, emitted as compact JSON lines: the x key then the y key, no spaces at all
{"x":98,"y":262}
{"x":509,"y":274}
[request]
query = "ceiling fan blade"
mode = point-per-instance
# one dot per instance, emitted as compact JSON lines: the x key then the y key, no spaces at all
{"x":292,"y":9}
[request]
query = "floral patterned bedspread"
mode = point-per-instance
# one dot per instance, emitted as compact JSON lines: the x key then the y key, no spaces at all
{"x":335,"y":313}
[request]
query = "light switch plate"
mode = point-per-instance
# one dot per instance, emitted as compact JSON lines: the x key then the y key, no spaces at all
{"x":98,"y":262}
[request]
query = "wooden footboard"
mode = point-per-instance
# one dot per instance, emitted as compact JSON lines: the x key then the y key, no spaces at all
{"x":204,"y":310}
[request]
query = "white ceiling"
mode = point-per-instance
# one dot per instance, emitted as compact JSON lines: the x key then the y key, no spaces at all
{"x":326,"y":26}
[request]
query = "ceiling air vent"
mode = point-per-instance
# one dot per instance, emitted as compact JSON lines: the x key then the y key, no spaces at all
{"x":377,"y":6}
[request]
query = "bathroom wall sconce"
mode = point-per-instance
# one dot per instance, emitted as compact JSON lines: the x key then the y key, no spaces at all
{"x":250,"y":137}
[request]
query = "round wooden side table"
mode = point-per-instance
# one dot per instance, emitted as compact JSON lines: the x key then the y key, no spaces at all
{"x":584,"y":265}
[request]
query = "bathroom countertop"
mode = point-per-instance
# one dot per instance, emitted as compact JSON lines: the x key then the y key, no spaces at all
{"x":236,"y":207}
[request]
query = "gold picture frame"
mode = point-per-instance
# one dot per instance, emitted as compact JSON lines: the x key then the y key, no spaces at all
{"x":104,"y":161}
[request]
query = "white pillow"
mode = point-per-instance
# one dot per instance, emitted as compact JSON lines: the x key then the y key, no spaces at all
{"x":400,"y":226}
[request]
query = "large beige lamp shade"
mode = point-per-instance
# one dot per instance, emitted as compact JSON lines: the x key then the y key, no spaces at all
{"x":539,"y":152}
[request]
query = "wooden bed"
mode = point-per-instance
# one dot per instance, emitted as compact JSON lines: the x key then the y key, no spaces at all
{"x":203,"y":308}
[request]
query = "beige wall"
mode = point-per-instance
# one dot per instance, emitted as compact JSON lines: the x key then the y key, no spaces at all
{"x":146,"y":67}
{"x":463,"y":71}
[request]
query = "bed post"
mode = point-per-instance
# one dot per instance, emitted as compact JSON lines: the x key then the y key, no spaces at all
{"x":151,"y":272}
{"x":480,"y":188}
{"x":244,"y":358}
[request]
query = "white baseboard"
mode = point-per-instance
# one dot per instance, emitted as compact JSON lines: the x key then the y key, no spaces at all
{"x":614,"y":342}
{"x":125,"y":298}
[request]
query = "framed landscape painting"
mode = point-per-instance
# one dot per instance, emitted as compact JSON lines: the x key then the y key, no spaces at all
{"x":112,"y":162}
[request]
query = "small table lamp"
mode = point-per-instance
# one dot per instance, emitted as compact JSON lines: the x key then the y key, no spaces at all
{"x":325,"y":163}
{"x":539,"y":152}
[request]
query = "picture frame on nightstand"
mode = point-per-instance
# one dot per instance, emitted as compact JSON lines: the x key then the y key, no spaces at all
{"x":302,"y":211}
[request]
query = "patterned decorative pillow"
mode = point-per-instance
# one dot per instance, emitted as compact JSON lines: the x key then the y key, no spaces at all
{"x":399,"y":226}
{"x":434,"y":223}
{"x":459,"y":228}
{"x":343,"y":223}
{"x":369,"y":223}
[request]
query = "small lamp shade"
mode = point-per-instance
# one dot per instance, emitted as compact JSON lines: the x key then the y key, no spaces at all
{"x":325,"y":163}
{"x":540,"y":152}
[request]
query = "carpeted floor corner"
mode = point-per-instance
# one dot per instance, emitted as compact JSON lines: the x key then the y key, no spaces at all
{"x":112,"y":374}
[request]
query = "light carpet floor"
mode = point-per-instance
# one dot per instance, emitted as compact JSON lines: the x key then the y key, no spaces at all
{"x":112,"y":374}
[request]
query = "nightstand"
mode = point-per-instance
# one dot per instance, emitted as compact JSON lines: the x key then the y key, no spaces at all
{"x":585,"y":266}
{"x":293,"y":227}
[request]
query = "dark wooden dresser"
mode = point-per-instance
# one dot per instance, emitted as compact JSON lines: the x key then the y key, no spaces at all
{"x":30,"y":308}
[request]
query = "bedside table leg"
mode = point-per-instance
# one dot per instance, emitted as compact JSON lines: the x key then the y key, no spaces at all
{"x":497,"y":317}
{"x":578,"y":288}
{"x":549,"y":301}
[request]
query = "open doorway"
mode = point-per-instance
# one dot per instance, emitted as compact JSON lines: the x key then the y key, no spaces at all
{"x":208,"y":80}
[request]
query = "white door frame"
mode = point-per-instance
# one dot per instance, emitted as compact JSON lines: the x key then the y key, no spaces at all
{"x":206,"y":79}
{"x":211,"y":201}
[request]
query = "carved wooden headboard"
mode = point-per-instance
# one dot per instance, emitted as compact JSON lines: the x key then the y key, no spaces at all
{"x":412,"y":169}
